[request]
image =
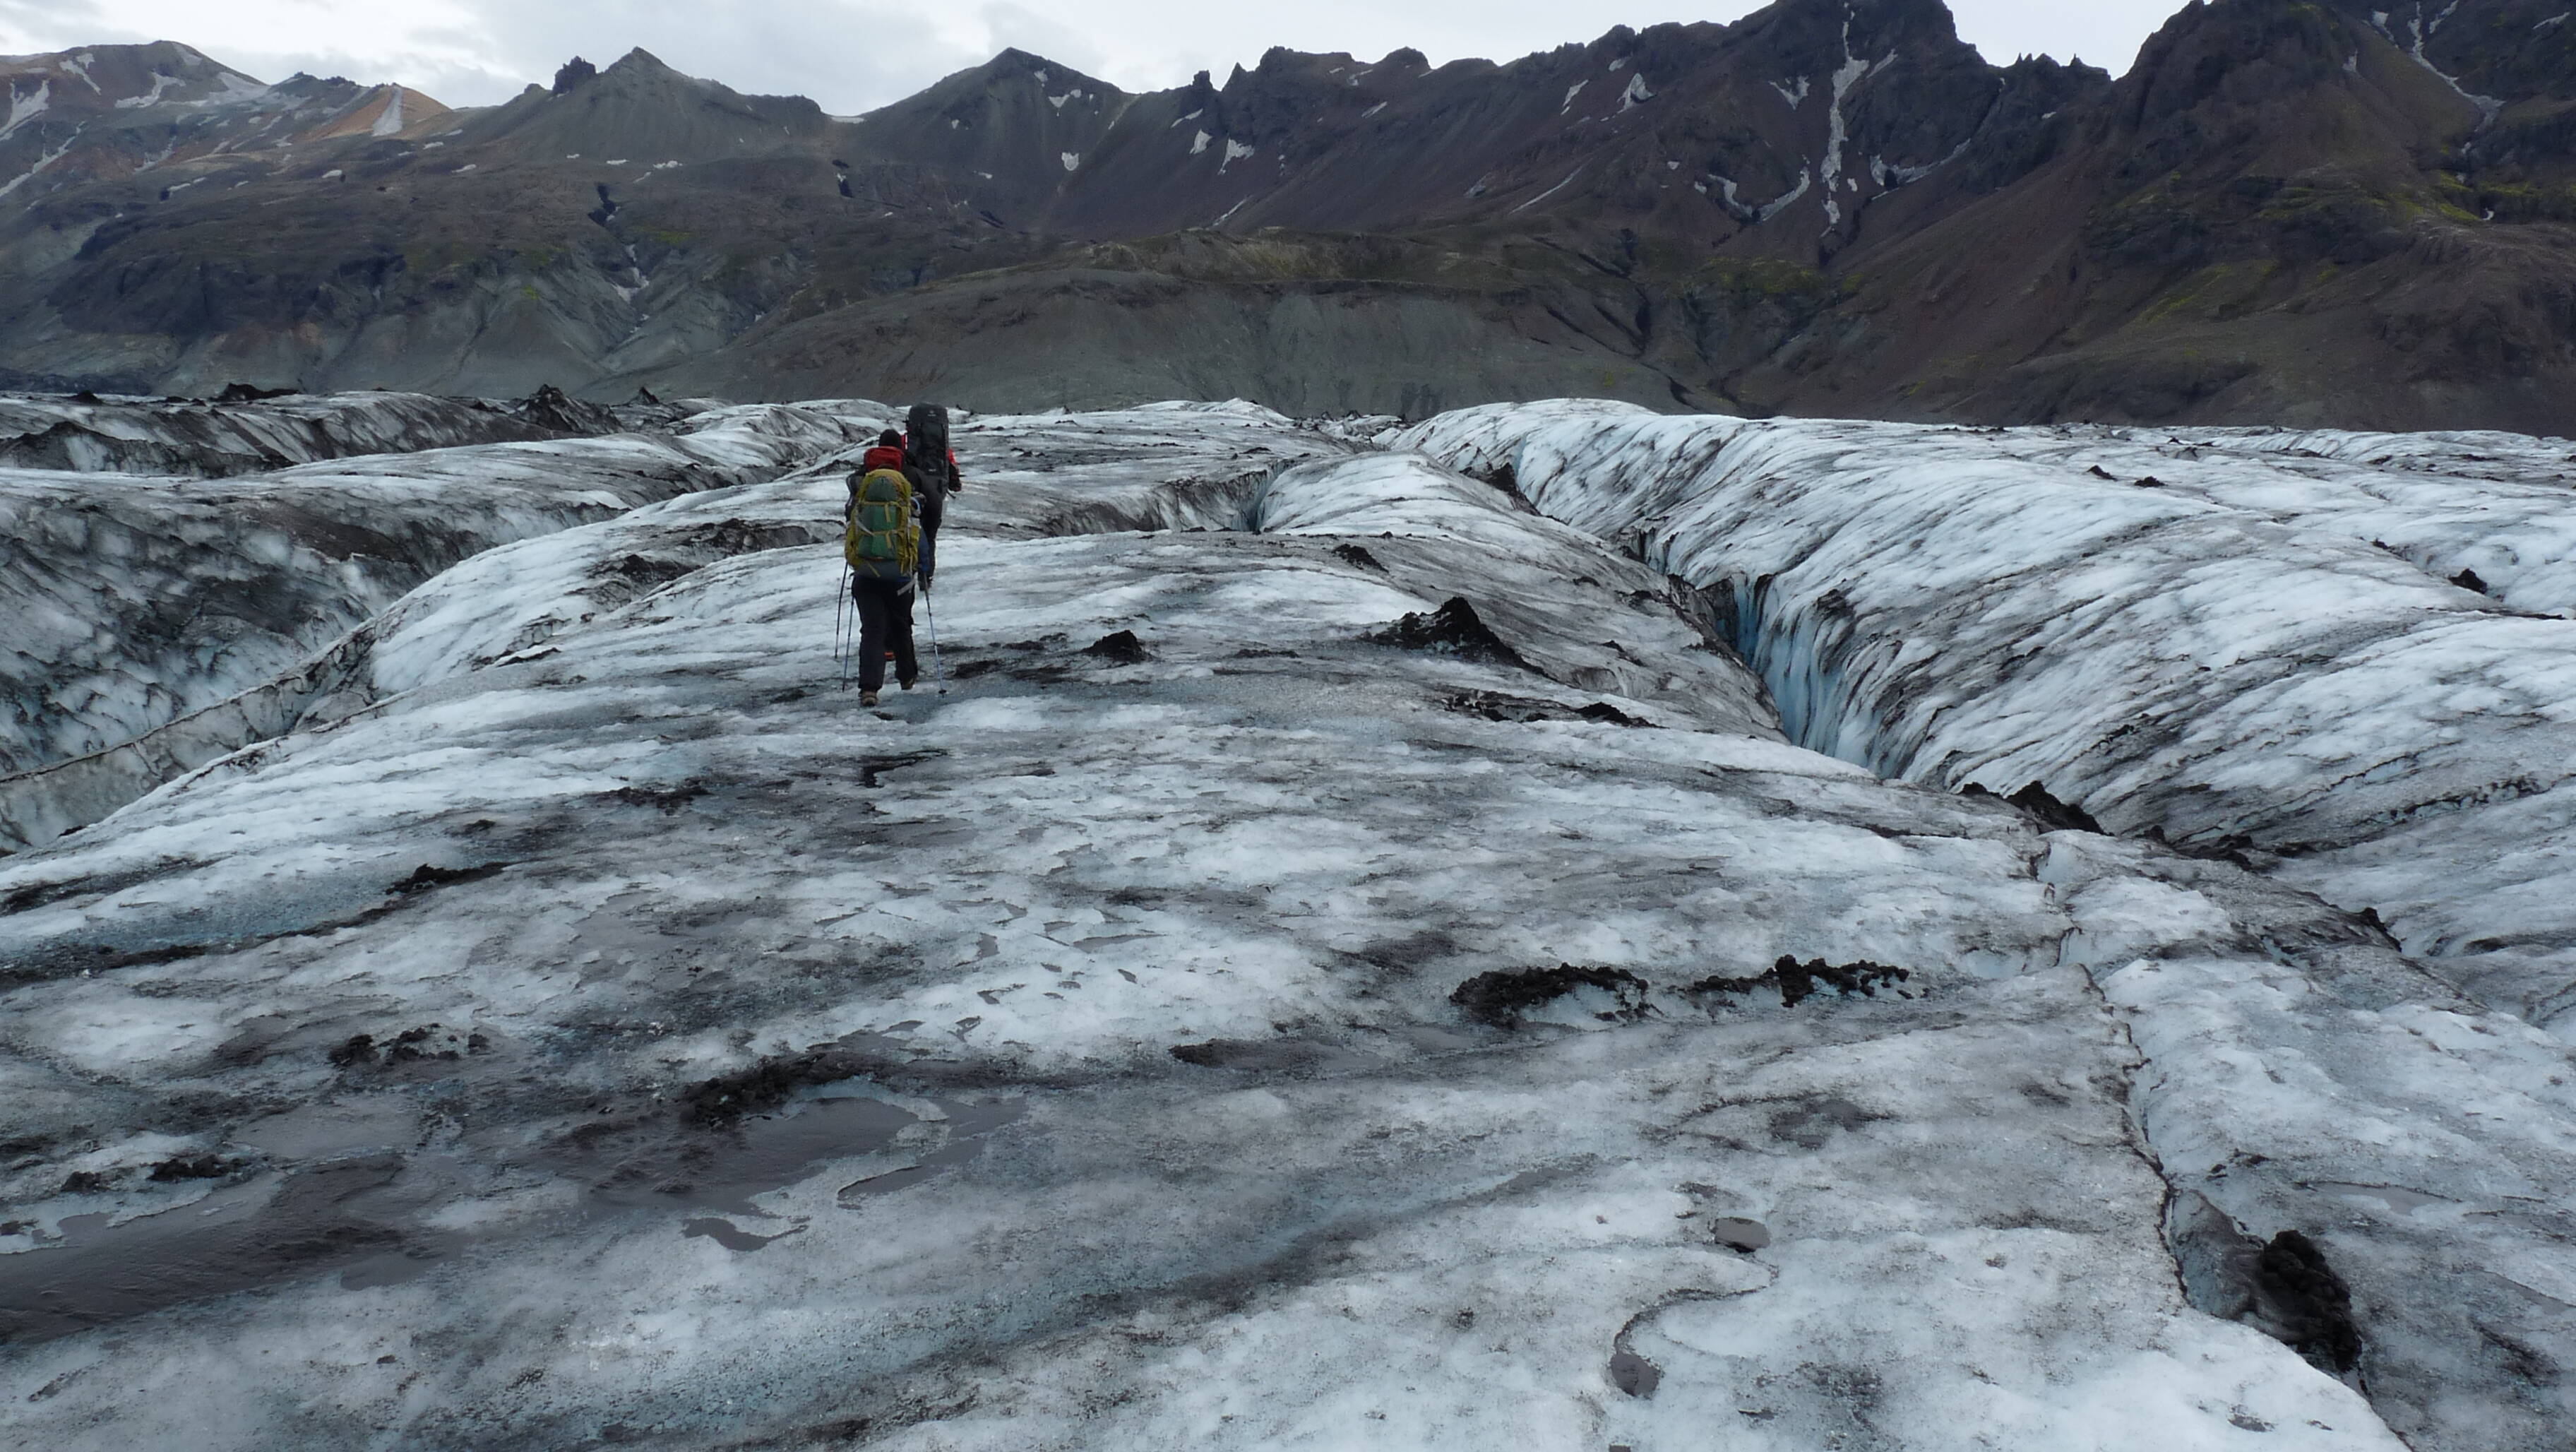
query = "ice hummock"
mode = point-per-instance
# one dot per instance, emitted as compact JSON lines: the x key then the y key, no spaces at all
{"x":160,"y":622}
{"x":2344,"y":656}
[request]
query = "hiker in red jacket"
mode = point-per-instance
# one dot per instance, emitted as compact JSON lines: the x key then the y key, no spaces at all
{"x":886,"y":453}
{"x":882,"y":592}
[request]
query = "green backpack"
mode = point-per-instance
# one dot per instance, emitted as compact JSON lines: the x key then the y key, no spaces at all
{"x":882,"y":540}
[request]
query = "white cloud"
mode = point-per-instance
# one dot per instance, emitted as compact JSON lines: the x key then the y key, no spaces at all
{"x":2100,"y":34}
{"x":20,"y":20}
{"x":854,"y":54}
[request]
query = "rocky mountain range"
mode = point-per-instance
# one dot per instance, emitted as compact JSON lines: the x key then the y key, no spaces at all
{"x":2305,"y":213}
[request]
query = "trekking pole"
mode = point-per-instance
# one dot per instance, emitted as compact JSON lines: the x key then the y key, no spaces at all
{"x":841,"y":603}
{"x":938,"y":669}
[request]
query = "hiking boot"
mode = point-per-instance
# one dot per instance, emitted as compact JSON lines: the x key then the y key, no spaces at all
{"x":867,"y":698}
{"x":906,"y":681}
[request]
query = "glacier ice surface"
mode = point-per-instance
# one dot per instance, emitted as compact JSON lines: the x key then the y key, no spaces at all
{"x":2348,"y":657}
{"x":592,"y":1027}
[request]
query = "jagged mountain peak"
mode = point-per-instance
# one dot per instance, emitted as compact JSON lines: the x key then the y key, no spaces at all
{"x":638,"y":73}
{"x":1835,"y":31}
{"x":1915,"y":21}
{"x":641,"y":66}
{"x":113,"y":78}
{"x":1015,"y":88}
{"x":171,"y":56}
{"x":642,"y":108}
{"x":1012,"y":59}
{"x":1011,"y":130}
{"x":1012,"y":65}
{"x":641,"y":75}
{"x":2205,"y":77}
{"x":574,"y":72}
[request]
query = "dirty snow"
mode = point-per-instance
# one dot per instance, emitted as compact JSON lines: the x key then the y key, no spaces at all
{"x":2418,"y":32}
{"x":1781,"y":203}
{"x":43,"y":163}
{"x":161,"y":85}
{"x":1853,"y":69}
{"x":1551,"y":191}
{"x":26,"y":108}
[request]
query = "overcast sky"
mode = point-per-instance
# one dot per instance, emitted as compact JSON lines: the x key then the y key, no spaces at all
{"x":851,"y":55}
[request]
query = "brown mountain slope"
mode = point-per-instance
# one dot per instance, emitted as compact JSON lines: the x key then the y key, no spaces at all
{"x":2287,"y":211}
{"x":1308,"y":323}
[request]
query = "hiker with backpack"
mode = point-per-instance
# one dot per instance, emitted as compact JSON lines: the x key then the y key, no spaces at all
{"x":932,"y":467}
{"x":882,"y":540}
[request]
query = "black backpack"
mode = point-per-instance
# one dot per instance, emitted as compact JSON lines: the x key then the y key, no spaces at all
{"x":925,"y":444}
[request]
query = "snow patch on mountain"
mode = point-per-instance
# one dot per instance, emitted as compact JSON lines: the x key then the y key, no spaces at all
{"x":237,"y":89}
{"x":2418,"y":32}
{"x":161,"y":85}
{"x":1786,"y":200}
{"x":27,"y":107}
{"x":43,"y":163}
{"x":1837,"y":133}
{"x":1908,"y":175}
{"x":1551,"y":191}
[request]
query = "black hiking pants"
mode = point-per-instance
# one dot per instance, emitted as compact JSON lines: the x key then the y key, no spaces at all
{"x":885,"y":623}
{"x":932,"y":507}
